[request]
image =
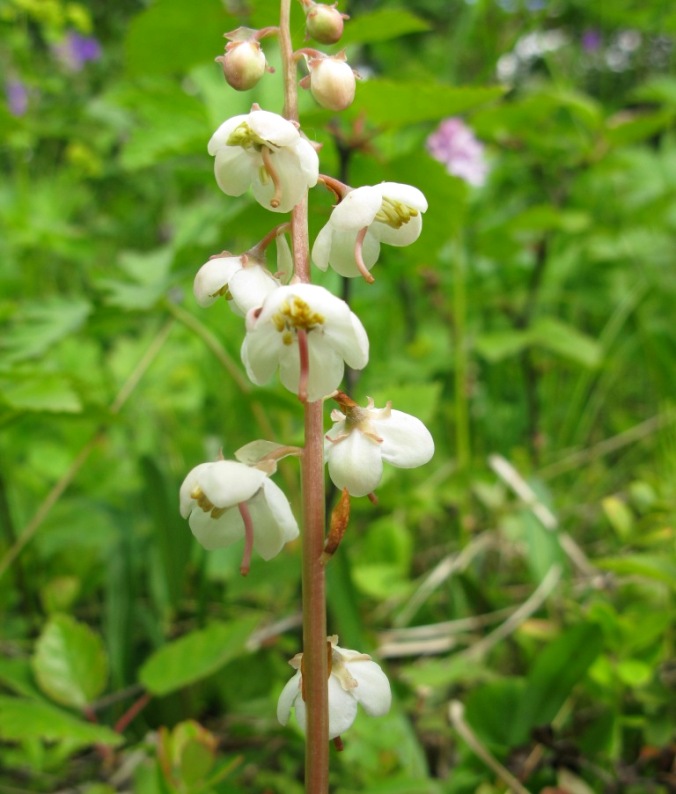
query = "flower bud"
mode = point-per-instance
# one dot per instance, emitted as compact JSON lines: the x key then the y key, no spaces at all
{"x":332,"y":82}
{"x":324,"y":23}
{"x":243,"y":64}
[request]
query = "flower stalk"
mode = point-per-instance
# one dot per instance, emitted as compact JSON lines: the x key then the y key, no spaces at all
{"x":316,"y":670}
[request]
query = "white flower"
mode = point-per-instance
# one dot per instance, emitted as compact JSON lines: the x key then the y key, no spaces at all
{"x":265,"y":151}
{"x":309,"y":334}
{"x":350,"y":242}
{"x":362,"y":438}
{"x":225,"y":501}
{"x":241,"y":280}
{"x":354,"y":678}
{"x":332,"y":81}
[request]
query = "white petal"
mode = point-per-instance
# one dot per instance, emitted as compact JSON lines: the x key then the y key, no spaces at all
{"x":216,"y":533}
{"x":213,"y":276}
{"x":260,"y":352}
{"x":321,"y":250}
{"x":284,"y":257}
{"x":290,"y":693}
{"x":308,"y":159}
{"x":405,"y":194}
{"x":326,"y":367}
{"x":373,"y":692}
{"x":342,"y":708}
{"x":191,"y":481}
{"x":357,"y":209}
{"x":355,"y":463}
{"x":273,"y":128}
{"x":250,"y":287}
{"x":223,"y":133}
{"x":227,"y":483}
{"x":348,"y":336}
{"x":234,"y":169}
{"x":407,"y":443}
{"x":273,"y":522}
{"x":405,"y":235}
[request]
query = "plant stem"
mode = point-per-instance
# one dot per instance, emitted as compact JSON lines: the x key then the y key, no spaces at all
{"x":315,"y":662}
{"x":462,"y":435}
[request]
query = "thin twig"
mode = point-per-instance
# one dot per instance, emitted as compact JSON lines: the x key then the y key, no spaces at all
{"x":456,"y":712}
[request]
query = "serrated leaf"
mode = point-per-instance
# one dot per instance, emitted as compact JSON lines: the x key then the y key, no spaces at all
{"x":195,"y":656}
{"x":70,"y":662}
{"x":41,"y":325}
{"x":146,"y":280}
{"x":392,"y":103}
{"x":382,"y":25}
{"x":26,"y":720}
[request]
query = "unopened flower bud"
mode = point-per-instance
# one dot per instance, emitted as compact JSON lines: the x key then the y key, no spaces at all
{"x":324,"y":23}
{"x":243,"y":64}
{"x":332,"y":81}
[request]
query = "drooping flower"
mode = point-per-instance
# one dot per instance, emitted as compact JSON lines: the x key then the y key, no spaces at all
{"x":225,"y":501}
{"x":324,"y":23}
{"x":454,"y":145}
{"x":308,"y":334}
{"x":362,"y":438}
{"x":350,"y":242}
{"x":242,"y":280}
{"x":267,"y":152}
{"x":354,"y":678}
{"x":332,"y":81}
{"x":244,"y":61}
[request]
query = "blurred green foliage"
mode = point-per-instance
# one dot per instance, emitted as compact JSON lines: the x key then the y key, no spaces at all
{"x":532,"y":320}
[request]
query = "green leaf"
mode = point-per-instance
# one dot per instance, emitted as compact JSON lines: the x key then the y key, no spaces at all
{"x":41,"y":325}
{"x":564,"y":340}
{"x":70,"y":662}
{"x":195,"y":656}
{"x":398,"y":103}
{"x":388,"y":23}
{"x":145,"y":281}
{"x":26,"y":720}
{"x":656,"y":568}
{"x":16,"y":674}
{"x":487,"y":706}
{"x":161,"y":40}
{"x":557,"y":669}
{"x":33,"y":390}
{"x":498,"y":345}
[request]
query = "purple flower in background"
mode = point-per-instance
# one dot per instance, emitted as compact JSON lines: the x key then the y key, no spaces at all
{"x":77,"y":50}
{"x":17,"y":97}
{"x":453,"y":144}
{"x":591,"y":40}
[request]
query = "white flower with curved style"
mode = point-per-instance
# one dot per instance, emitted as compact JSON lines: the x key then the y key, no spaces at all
{"x":242,"y":280}
{"x":353,"y":679}
{"x":225,"y":501}
{"x":367,"y":216}
{"x":267,"y":152}
{"x":308,"y":334}
{"x":362,"y":438}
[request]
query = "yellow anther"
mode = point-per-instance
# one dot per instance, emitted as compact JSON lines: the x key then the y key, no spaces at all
{"x":245,"y":137}
{"x":294,"y":315}
{"x":395,"y":214}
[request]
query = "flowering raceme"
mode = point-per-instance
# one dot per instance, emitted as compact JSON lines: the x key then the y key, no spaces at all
{"x":362,"y":438}
{"x":226,"y":500}
{"x":354,"y":679}
{"x":265,"y":151}
{"x":350,"y":242}
{"x":309,"y":334}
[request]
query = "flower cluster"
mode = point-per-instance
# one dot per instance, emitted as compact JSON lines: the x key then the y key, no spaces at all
{"x":305,"y":334}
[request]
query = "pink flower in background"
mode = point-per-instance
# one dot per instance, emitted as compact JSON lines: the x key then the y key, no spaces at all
{"x":453,"y":144}
{"x":75,"y":50}
{"x":17,"y":97}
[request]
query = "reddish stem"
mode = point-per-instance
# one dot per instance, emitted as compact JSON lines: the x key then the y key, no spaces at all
{"x":304,"y":352}
{"x":133,"y":710}
{"x":245,"y":567}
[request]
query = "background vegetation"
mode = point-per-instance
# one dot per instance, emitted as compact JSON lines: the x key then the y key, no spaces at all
{"x":524,"y":578}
